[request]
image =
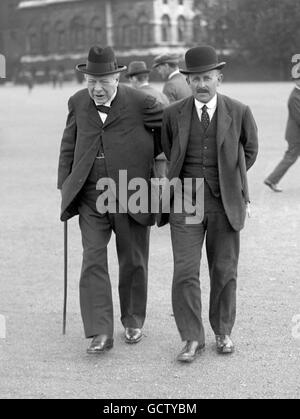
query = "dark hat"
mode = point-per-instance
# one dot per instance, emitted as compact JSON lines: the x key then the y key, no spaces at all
{"x":100,"y":62}
{"x":166,"y":59}
{"x":137,"y":67}
{"x":201,"y":59}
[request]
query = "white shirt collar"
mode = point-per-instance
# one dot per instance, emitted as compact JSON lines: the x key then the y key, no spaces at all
{"x":212,"y":104}
{"x":297,"y":87}
{"x":144,"y":84}
{"x":174,"y":74}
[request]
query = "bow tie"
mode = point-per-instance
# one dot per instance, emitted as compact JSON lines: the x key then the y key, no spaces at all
{"x":103,"y":109}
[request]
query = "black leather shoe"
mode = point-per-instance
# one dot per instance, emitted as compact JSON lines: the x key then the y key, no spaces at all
{"x":100,"y":344}
{"x":190,"y":351}
{"x":224,"y":345}
{"x":272,"y":186}
{"x":133,"y":335}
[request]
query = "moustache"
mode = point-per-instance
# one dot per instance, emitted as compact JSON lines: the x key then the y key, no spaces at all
{"x":202,"y":91}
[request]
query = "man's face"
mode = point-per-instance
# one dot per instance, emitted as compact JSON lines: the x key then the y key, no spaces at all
{"x":204,"y":85}
{"x":164,"y":71}
{"x":101,"y":89}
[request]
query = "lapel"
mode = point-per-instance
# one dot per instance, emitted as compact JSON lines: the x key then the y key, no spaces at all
{"x":184,"y":123}
{"x":93,"y":115}
{"x":223,"y":121}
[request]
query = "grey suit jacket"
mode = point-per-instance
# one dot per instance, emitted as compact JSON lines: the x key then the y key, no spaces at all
{"x":237,"y":147}
{"x":293,"y":125}
{"x":177,"y":88}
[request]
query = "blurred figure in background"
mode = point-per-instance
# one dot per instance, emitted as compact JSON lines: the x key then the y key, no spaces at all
{"x":176,"y":87}
{"x":138,"y":76}
{"x":292,"y":136}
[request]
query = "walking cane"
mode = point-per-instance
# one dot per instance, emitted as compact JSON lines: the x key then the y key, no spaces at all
{"x":65,"y":275}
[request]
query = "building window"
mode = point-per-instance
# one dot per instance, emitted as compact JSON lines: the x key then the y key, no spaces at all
{"x":124,"y":31}
{"x":166,"y":29}
{"x":32,"y":41}
{"x":96,"y":31}
{"x":181,"y":29}
{"x":144,"y":34}
{"x":180,"y":2}
{"x":77,"y":31}
{"x":165,"y":1}
{"x":60,"y":32}
{"x":45,"y":38}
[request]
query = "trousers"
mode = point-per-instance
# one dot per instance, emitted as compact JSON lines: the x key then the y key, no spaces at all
{"x":222,"y":247}
{"x":132,"y":245}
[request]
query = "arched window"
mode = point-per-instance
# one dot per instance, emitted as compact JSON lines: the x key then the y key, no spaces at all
{"x":96,"y":31}
{"x":181,"y":29}
{"x":60,"y":44}
{"x":165,"y":29}
{"x":143,"y":31}
{"x":77,"y":32}
{"x":45,"y":38}
{"x":32,"y":41}
{"x":124,"y":31}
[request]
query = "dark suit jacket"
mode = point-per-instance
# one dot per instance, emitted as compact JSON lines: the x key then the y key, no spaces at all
{"x":293,"y":125}
{"x":127,"y":137}
{"x":177,"y":88}
{"x":235,"y":128}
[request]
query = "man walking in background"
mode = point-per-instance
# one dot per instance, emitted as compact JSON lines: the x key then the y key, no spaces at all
{"x":176,"y":87}
{"x":210,"y":137}
{"x":109,"y":129}
{"x":138,"y":76}
{"x":292,"y":136}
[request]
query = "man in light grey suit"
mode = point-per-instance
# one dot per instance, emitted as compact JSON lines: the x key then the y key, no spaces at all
{"x":176,"y":87}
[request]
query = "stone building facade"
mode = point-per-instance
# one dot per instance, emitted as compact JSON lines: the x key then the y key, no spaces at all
{"x":60,"y":32}
{"x":41,"y":35}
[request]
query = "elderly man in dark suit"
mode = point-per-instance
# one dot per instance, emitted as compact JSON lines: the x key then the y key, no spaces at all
{"x":109,"y":129}
{"x":175,"y":87}
{"x":211,"y":137}
{"x":292,"y":136}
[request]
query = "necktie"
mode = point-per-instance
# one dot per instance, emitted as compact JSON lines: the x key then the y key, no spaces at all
{"x":205,"y":121}
{"x":103,"y":109}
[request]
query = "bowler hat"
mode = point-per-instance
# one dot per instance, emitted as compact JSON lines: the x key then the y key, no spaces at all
{"x":137,"y":67}
{"x":100,"y":62}
{"x":166,"y":59}
{"x":201,"y":59}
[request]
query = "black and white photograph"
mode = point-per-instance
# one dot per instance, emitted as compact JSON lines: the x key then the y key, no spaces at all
{"x":149,"y":202}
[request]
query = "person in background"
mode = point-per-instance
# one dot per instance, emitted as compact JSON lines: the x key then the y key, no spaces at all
{"x":292,"y":136}
{"x":175,"y":87}
{"x":138,"y":76}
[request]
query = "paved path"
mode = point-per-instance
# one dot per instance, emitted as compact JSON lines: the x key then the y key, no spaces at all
{"x":36,"y":361}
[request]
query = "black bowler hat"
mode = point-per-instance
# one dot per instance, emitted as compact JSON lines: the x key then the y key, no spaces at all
{"x":137,"y":67}
{"x":100,"y":62}
{"x":201,"y":59}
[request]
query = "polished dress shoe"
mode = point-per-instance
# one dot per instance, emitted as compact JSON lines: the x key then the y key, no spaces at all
{"x":190,"y":351}
{"x":100,"y":344}
{"x":224,"y":344}
{"x":133,"y":335}
{"x":272,"y":186}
